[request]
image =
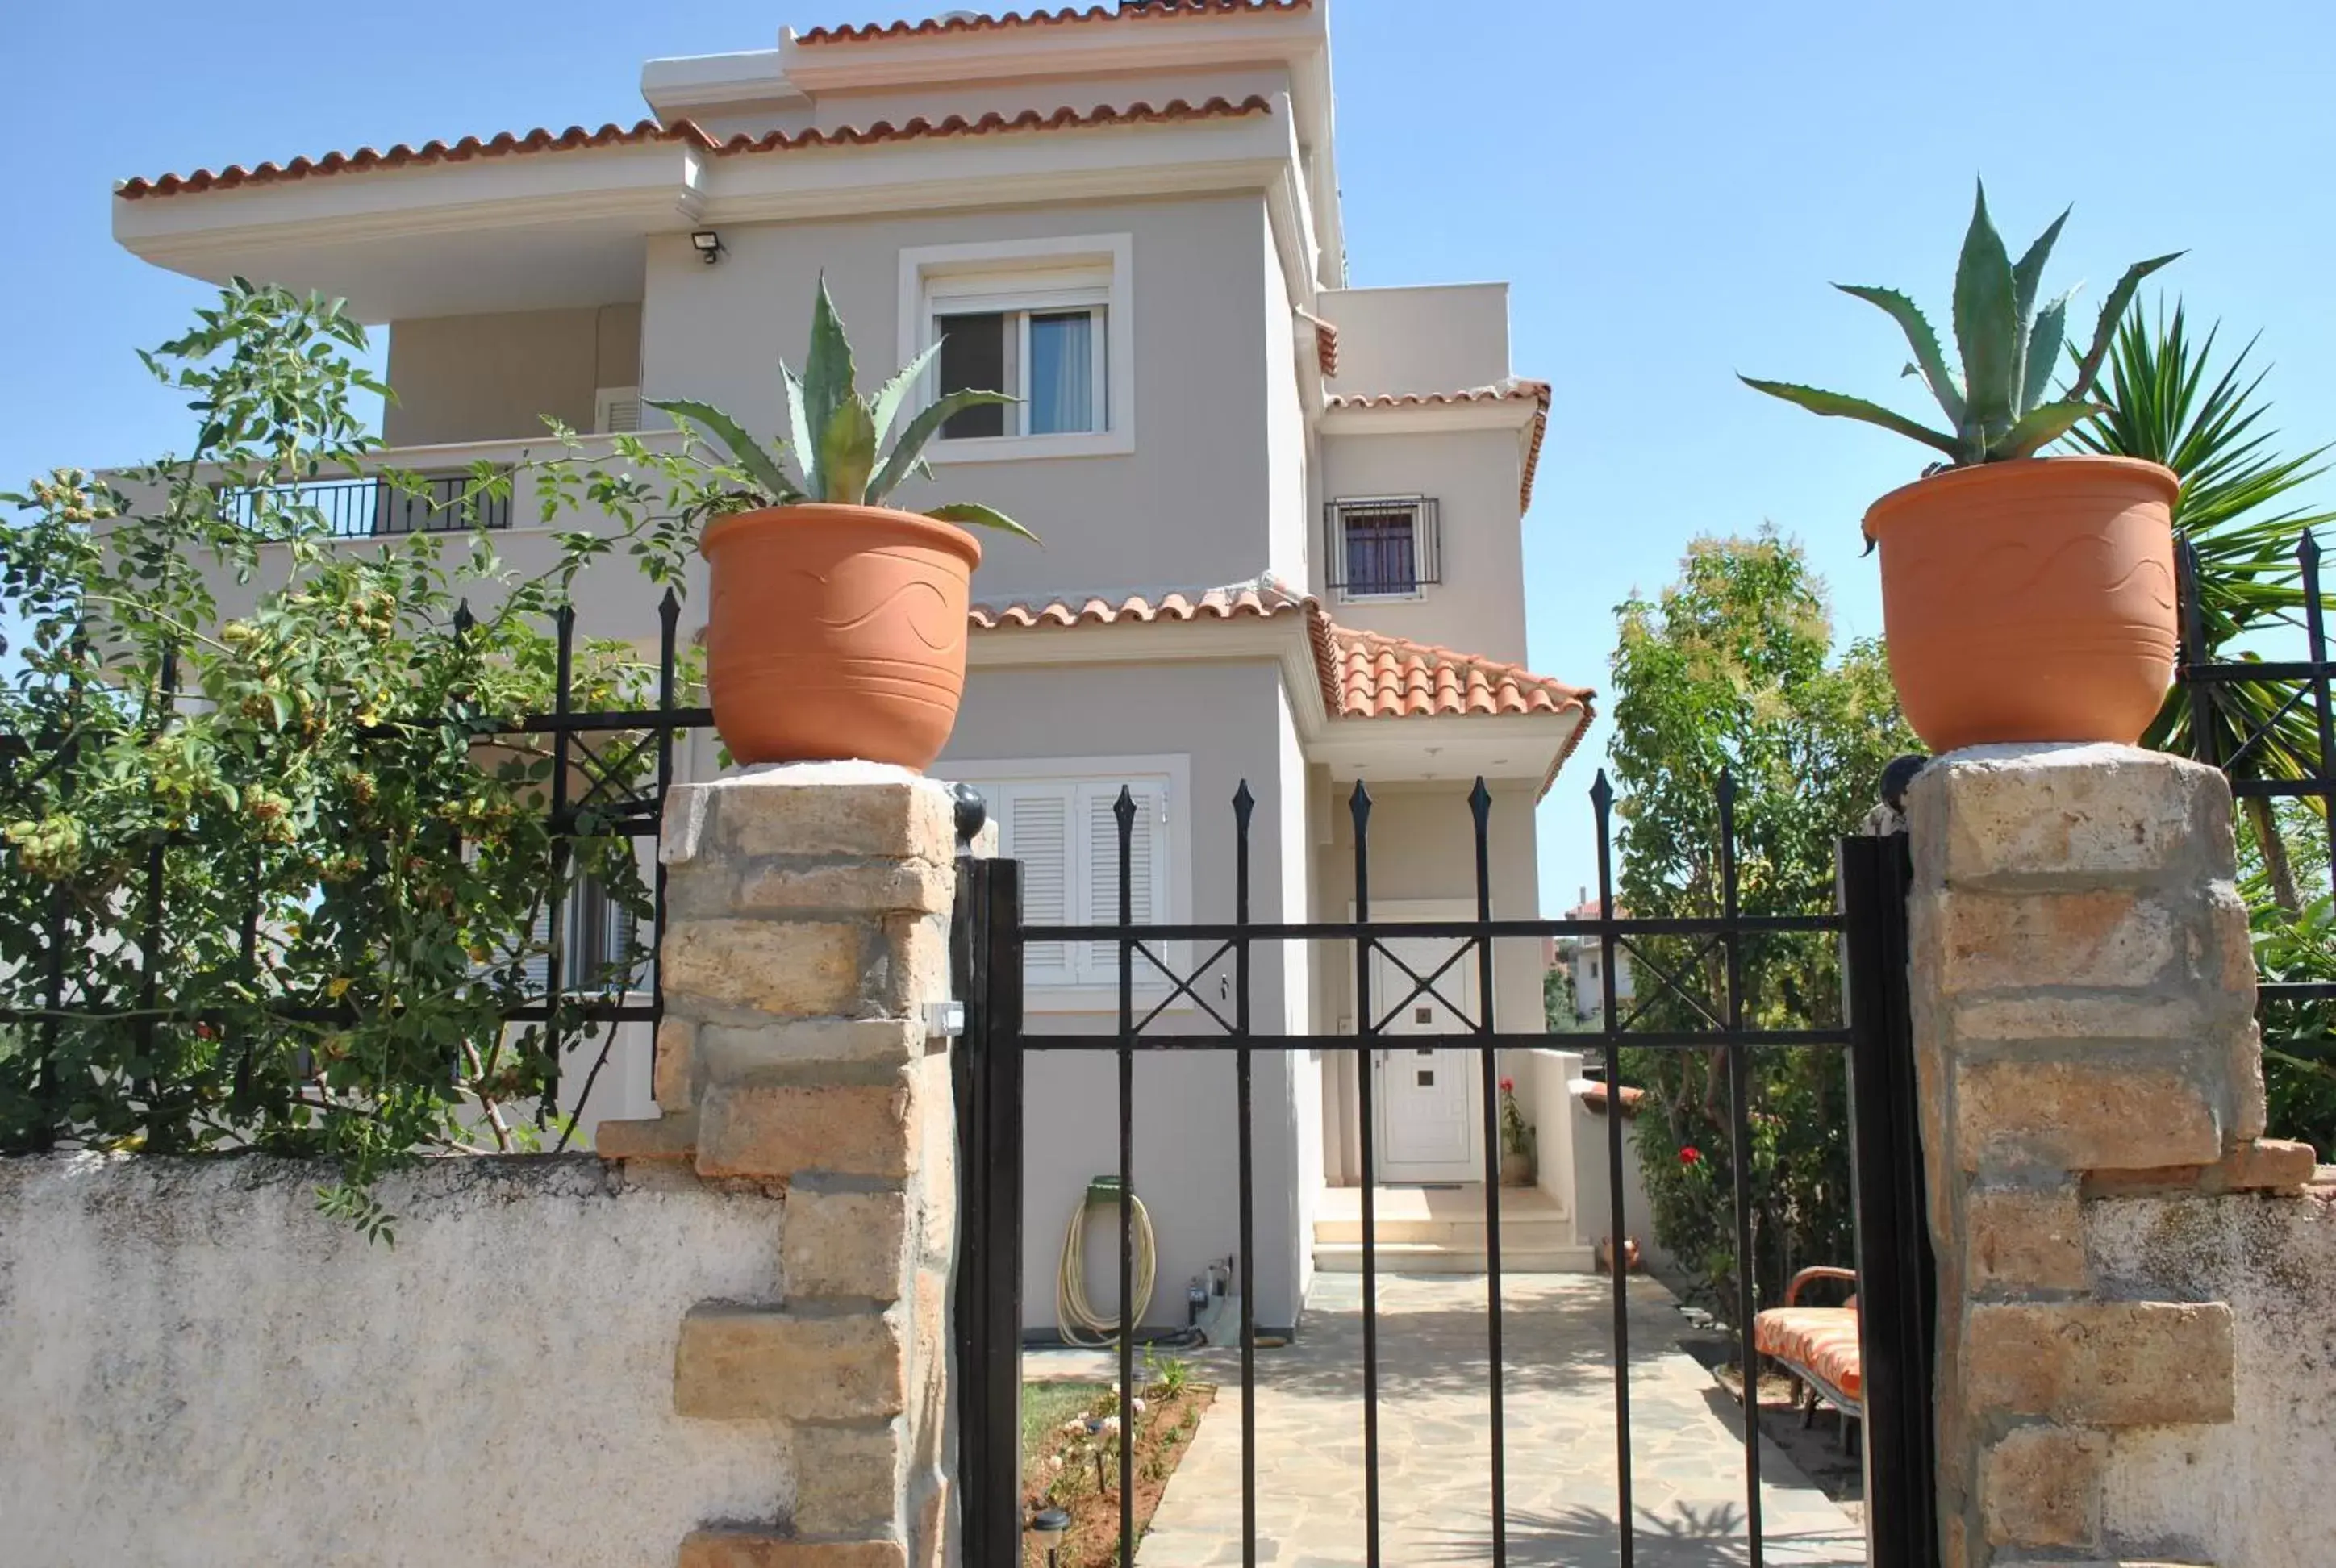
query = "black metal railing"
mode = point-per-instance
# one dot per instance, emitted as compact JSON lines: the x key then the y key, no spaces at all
{"x":608,"y":776}
{"x":2269,"y":723}
{"x":1868,"y":920}
{"x":380,"y":505}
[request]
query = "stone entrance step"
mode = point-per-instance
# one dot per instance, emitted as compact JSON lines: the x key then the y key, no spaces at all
{"x":1442,"y":1231}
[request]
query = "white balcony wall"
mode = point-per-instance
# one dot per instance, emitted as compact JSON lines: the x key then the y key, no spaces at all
{"x":495,"y":377}
{"x":1439,"y":338}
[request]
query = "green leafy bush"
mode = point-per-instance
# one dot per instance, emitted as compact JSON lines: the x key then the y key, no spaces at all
{"x":297,"y":877}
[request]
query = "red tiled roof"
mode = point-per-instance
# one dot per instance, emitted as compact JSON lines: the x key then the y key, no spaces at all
{"x":1511,"y":391}
{"x":1064,"y":119}
{"x":1326,"y":348}
{"x":682,"y":131}
{"x":1149,"y":10}
{"x":1263,"y":600}
{"x":401,"y":156}
{"x":1383,"y":677}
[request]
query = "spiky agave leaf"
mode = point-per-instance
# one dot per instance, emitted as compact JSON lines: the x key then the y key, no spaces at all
{"x":980,"y":516}
{"x":1928,"y":359}
{"x":2027,"y":276}
{"x":847,"y":452}
{"x":744,"y":451}
{"x":828,"y":373}
{"x":2113,"y":311}
{"x":886,"y":405}
{"x":2042,"y":424}
{"x":799,"y":427}
{"x":909,"y":450}
{"x":2041,"y":354}
{"x":1987,"y":331}
{"x":1835,"y":405}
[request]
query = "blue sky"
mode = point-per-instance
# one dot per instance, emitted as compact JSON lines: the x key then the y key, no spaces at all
{"x":1669,"y":188}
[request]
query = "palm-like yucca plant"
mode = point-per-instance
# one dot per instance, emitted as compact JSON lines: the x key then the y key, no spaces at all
{"x":2167,"y":401}
{"x":2002,"y":405}
{"x":838,"y":436}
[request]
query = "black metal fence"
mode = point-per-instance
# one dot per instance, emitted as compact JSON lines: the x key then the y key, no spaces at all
{"x":381,"y":505}
{"x":1868,"y":920}
{"x":610,"y":773}
{"x":2269,"y":723}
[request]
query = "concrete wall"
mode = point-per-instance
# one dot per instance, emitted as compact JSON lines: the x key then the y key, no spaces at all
{"x":1583,"y":1159}
{"x":1440,"y":339}
{"x":2252,"y":1493}
{"x":1227,"y":719}
{"x":1473,"y":476}
{"x":203,"y":1370}
{"x":470,"y":378}
{"x":1187,"y":506}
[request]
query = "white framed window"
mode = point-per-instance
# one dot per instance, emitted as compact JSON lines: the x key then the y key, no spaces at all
{"x":1382,"y":546}
{"x":1050,"y":322}
{"x":616,"y":409}
{"x":1058,"y":819}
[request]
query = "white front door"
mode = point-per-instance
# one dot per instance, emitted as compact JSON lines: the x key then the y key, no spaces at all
{"x":1429,"y":1102}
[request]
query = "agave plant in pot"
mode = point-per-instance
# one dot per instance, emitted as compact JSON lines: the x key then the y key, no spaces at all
{"x":2024,"y":597}
{"x":836,"y":625}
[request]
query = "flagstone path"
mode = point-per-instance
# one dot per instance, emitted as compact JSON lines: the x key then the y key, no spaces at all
{"x":1689,"y":1495}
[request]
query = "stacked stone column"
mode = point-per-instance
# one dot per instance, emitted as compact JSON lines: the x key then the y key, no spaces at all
{"x":2083,"y":994}
{"x":806,"y":943}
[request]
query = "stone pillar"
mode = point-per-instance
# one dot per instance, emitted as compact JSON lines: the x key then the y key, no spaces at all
{"x":807,"y":943}
{"x":2083,"y":994}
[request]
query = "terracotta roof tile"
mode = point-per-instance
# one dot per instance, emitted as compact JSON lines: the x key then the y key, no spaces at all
{"x":682,"y":131}
{"x":402,"y":156}
{"x":1148,"y":10}
{"x":1364,"y":674}
{"x":1383,"y":677}
{"x":1326,"y":348}
{"x":1510,"y":391}
{"x":1264,"y":599}
{"x":1063,"y":119}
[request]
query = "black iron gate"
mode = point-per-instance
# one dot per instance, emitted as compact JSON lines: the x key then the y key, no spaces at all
{"x":1893,"y":1261}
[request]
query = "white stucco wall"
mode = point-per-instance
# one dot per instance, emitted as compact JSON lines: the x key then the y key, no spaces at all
{"x":201,"y":1371}
{"x":1225,"y":720}
{"x":1434,"y":337}
{"x":2253,"y":1493}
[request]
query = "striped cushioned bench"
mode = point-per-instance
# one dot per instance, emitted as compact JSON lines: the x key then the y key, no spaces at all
{"x":1818,"y":1346}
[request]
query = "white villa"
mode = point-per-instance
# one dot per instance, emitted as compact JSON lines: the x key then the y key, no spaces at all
{"x":1283,"y":516}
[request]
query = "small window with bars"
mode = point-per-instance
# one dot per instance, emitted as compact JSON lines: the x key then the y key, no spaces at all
{"x":1383,"y":547}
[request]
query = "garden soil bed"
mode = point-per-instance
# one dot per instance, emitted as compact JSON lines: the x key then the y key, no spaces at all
{"x":1059,"y":1469}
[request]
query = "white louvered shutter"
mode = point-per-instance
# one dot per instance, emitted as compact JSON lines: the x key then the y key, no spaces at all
{"x":1146,"y":879}
{"x":1035,"y":828}
{"x":616,"y":409}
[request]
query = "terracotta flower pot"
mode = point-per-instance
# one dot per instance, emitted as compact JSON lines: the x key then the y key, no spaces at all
{"x":1517,"y":1170}
{"x":2030,"y":600}
{"x":836,"y":632}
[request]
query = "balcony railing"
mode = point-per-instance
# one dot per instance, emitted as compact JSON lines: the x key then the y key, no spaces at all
{"x":372,"y":506}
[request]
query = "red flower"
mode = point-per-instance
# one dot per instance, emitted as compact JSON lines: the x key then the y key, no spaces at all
{"x":1508,"y":1085}
{"x":1690,"y":1155}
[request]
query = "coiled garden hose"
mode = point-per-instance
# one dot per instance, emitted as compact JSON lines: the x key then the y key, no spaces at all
{"x":1081,"y":1324}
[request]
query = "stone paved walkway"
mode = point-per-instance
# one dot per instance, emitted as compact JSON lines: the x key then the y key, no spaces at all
{"x":1687,"y":1448}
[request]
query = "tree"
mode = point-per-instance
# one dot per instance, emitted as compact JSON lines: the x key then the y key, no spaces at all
{"x":1729,"y":672}
{"x":274,"y":881}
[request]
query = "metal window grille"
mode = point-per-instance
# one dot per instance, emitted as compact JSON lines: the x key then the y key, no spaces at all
{"x":374,"y":506}
{"x":1383,"y":547}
